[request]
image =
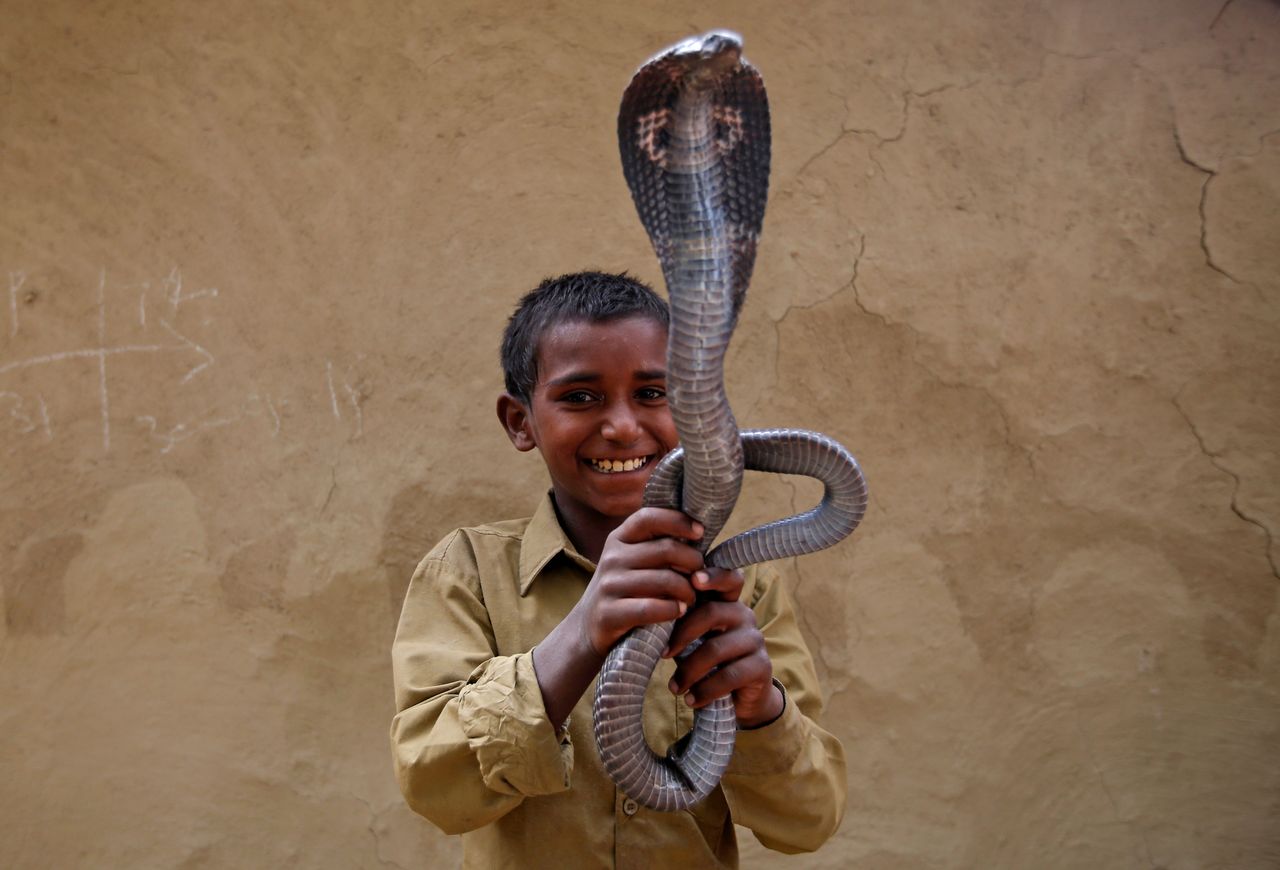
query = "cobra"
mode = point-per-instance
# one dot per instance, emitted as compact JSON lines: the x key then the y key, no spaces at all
{"x":694,"y":134}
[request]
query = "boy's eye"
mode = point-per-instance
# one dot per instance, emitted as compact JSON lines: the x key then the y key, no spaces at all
{"x":577,"y":397}
{"x":651,"y":394}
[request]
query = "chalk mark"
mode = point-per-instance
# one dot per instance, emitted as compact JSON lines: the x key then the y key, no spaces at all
{"x":186,"y":342}
{"x":103,"y":350}
{"x":275,"y":416}
{"x":179,"y":433}
{"x":18,"y":413}
{"x":177,"y":297}
{"x":86,"y":353}
{"x":142,"y":286}
{"x":333,"y":395}
{"x":264,"y":401}
{"x":44,"y":418}
{"x":184,"y":431}
{"x":16,"y":280}
{"x":105,"y":399}
{"x":354,"y":398}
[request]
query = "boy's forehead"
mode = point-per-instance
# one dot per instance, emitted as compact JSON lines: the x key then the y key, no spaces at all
{"x":623,"y":344}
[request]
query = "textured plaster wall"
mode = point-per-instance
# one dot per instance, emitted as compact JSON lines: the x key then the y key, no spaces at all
{"x":1021,"y":257}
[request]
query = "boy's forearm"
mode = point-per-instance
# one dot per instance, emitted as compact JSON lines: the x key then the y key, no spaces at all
{"x":565,"y":664}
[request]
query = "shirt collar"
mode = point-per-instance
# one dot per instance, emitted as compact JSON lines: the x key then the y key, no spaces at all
{"x":544,"y":539}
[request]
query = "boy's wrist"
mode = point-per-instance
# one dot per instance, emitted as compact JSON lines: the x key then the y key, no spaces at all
{"x":773,"y":708}
{"x":565,"y":663}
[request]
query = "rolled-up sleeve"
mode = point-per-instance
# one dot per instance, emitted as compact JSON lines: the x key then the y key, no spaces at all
{"x":786,"y":781}
{"x":470,"y":739}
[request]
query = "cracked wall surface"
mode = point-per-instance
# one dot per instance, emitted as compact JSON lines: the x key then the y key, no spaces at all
{"x":1020,"y":257}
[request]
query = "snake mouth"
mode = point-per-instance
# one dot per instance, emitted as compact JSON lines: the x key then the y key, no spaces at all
{"x":619,"y":466}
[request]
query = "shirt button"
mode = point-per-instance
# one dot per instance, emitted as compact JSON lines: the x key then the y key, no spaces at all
{"x":629,"y":807}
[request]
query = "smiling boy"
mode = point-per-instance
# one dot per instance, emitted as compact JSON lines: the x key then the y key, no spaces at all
{"x":505,"y":626}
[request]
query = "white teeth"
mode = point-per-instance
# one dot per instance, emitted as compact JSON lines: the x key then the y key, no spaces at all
{"x":612,"y":466}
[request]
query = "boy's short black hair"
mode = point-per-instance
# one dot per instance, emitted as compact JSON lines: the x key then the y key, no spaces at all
{"x":591,"y":296}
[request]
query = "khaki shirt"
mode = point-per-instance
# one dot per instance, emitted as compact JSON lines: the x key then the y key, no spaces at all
{"x":475,"y":753}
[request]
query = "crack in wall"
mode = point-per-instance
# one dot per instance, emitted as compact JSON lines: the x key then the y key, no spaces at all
{"x":862,"y":306}
{"x":1106,"y":790}
{"x":1204,"y":232}
{"x":786,"y":312}
{"x":373,"y":832}
{"x":795,"y":570}
{"x":821,"y":300}
{"x":1218,"y":17}
{"x":1262,"y":142}
{"x":881,"y":140}
{"x":333,"y":486}
{"x":1215,"y":460}
{"x":1210,"y":174}
{"x":1005,"y":424}
{"x":844,"y":131}
{"x":1047,"y":53}
{"x":852,"y":288}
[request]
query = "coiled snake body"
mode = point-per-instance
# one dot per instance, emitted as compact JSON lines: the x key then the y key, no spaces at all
{"x":693,"y":130}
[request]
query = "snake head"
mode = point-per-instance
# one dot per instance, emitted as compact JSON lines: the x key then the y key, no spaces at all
{"x":706,"y":56}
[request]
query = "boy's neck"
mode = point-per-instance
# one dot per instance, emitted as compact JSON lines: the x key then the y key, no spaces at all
{"x":587,"y":531}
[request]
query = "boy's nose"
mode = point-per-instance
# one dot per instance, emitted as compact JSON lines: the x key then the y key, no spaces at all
{"x":620,"y":424}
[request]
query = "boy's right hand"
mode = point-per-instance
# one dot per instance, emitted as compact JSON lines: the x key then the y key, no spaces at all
{"x":642,"y":576}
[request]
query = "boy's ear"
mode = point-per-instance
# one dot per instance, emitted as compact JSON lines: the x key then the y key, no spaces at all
{"x":515,"y":419}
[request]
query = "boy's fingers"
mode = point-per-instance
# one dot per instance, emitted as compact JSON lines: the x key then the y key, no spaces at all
{"x":628,"y":613}
{"x":664,"y":553}
{"x":719,"y":652}
{"x":656,"y":553}
{"x":720,"y":580}
{"x":729,"y":679}
{"x":652,"y":522}
{"x":653,"y":583}
{"x":709,"y":616}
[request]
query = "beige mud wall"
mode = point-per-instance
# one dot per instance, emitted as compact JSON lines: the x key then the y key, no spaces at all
{"x":1021,"y":258}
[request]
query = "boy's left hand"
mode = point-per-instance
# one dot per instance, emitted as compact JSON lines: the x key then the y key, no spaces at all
{"x":734,"y":649}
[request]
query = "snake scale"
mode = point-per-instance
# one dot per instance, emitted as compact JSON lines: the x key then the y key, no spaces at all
{"x":694,"y":134}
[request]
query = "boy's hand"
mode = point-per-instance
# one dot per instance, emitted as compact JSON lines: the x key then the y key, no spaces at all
{"x":642,"y":576}
{"x":735,"y":651}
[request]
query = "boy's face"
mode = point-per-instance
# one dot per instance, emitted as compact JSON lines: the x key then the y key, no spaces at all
{"x":598,"y":414}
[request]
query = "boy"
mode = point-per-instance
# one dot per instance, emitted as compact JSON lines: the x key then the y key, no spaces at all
{"x":505,"y":626}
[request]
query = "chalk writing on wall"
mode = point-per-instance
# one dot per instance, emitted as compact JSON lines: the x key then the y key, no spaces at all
{"x":157,"y":306}
{"x":346,"y":398}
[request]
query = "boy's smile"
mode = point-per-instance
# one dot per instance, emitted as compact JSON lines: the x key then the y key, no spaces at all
{"x":598,"y":416}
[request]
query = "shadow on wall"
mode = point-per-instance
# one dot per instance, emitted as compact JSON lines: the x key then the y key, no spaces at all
{"x":420,"y":516}
{"x":34,"y":594}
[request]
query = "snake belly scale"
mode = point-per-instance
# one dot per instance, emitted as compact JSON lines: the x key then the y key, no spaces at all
{"x":694,"y":134}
